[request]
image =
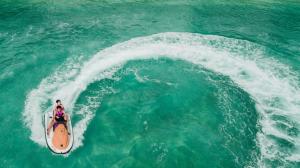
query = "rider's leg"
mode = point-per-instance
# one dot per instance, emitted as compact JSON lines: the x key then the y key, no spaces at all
{"x":66,"y":117}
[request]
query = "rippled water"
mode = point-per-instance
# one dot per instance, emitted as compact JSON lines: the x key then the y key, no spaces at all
{"x":152,"y":84}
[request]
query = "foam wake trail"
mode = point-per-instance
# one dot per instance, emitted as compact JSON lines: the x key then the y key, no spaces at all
{"x":271,"y":84}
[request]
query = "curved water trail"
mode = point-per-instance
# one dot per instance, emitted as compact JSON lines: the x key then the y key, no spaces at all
{"x":271,"y":84}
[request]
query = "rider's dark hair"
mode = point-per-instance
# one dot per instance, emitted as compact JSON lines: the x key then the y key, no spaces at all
{"x":57,"y":100}
{"x":59,"y":107}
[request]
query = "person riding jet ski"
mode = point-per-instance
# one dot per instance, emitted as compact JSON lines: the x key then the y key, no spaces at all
{"x":59,"y":117}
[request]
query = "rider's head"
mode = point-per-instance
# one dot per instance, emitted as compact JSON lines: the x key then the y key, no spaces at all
{"x":58,"y":102}
{"x":59,"y":108}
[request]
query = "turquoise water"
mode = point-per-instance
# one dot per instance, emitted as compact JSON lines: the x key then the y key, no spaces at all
{"x":152,"y":83}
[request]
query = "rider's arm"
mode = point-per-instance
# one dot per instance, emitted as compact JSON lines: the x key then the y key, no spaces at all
{"x":54,"y":111}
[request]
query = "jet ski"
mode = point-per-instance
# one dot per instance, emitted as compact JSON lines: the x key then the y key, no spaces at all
{"x":60,"y":138}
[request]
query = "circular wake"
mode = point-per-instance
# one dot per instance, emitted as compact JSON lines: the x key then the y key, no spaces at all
{"x":271,"y":84}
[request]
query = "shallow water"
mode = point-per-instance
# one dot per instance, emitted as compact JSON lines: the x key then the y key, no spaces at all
{"x":152,"y":84}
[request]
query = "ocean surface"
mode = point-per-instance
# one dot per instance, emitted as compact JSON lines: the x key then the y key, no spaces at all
{"x":212,"y":83}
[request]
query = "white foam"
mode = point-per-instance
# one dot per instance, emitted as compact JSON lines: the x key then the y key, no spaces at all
{"x":271,"y":84}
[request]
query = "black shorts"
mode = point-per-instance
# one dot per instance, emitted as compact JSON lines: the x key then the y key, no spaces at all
{"x":60,"y":119}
